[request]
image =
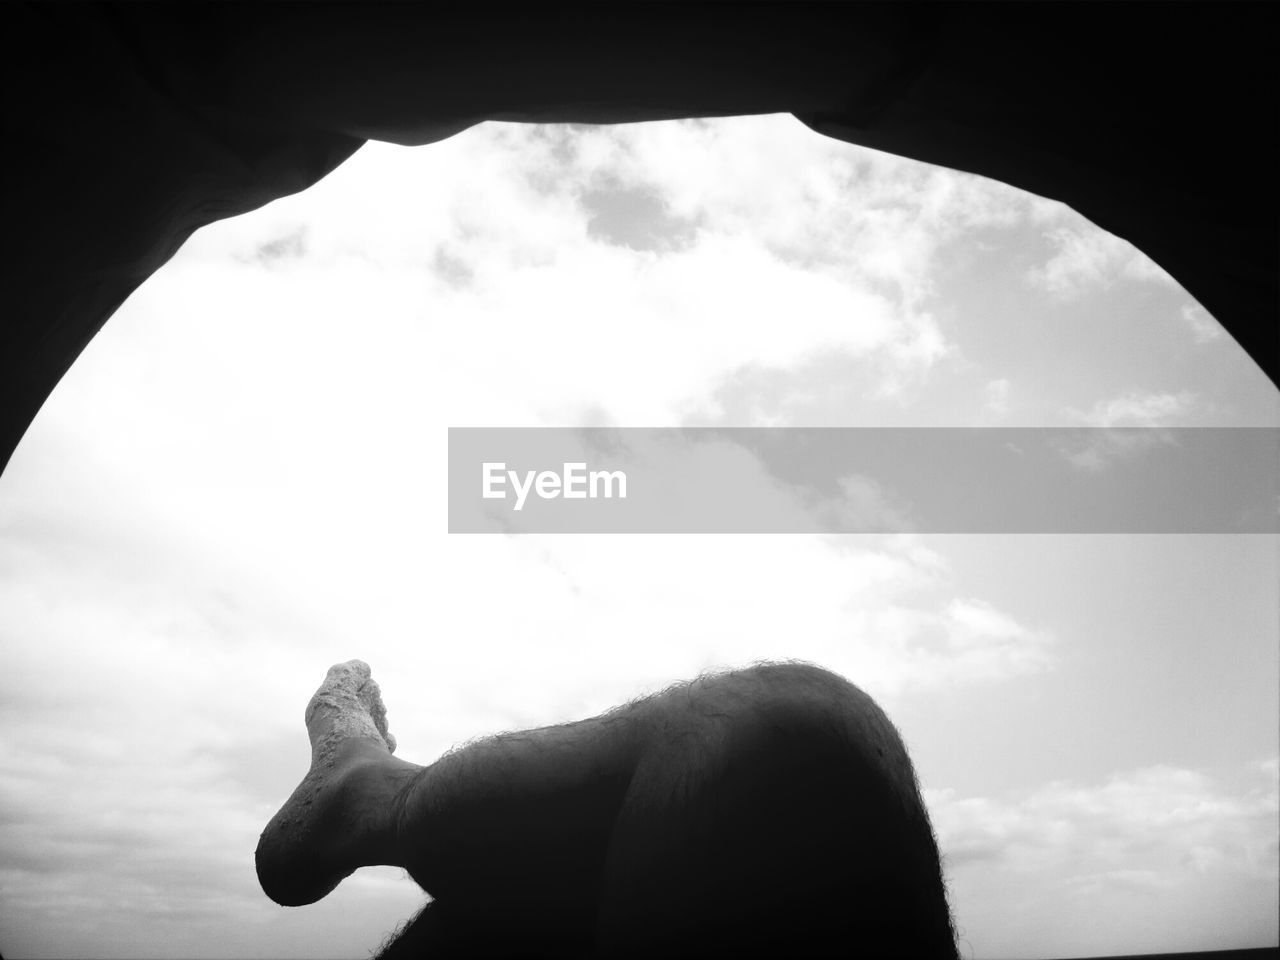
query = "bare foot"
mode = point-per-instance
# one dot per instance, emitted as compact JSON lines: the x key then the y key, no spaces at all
{"x":341,"y":816}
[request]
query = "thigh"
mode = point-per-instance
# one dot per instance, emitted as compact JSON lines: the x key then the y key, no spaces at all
{"x":781,"y":816}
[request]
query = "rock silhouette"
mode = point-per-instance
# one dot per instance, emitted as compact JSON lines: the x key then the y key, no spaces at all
{"x":132,"y":125}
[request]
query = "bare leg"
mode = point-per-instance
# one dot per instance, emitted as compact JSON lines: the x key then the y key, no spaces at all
{"x":778,"y":816}
{"x":518,"y":812}
{"x":342,"y":814}
{"x":771,"y":808}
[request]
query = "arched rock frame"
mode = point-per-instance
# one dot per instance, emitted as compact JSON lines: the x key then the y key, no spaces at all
{"x":135,"y":124}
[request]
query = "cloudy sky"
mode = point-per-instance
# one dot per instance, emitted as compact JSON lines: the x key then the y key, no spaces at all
{"x":243,"y":480}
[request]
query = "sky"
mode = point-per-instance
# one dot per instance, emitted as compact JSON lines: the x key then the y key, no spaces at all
{"x":243,"y":480}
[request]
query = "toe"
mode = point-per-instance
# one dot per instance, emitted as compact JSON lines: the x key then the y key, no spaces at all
{"x":371,"y":699}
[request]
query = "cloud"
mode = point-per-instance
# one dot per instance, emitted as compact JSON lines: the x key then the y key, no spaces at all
{"x":289,"y":246}
{"x":1096,"y":450}
{"x":867,"y":221}
{"x":996,"y":397}
{"x":1149,"y":860}
{"x":1113,"y":436}
{"x":128,"y":828}
{"x":1204,"y":329}
{"x":1167,"y":816}
{"x":608,"y":237}
{"x":636,"y":218}
{"x":970,"y":641}
{"x":864,"y":504}
{"x":1135,"y":409}
{"x":817,"y":262}
{"x":1087,"y":257}
{"x":813,"y":200}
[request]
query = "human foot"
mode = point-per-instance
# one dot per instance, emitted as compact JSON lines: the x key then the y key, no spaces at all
{"x":340,"y":817}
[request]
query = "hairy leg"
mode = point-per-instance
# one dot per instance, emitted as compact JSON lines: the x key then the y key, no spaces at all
{"x":521,"y":812}
{"x":519,"y":819}
{"x":773,"y":808}
{"x":778,"y":814}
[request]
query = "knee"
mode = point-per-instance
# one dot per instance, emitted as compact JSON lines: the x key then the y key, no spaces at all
{"x":826,"y":806}
{"x":815,"y":718}
{"x":800,"y":697}
{"x":801,"y":715}
{"x":781,"y":800}
{"x":788,"y":747}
